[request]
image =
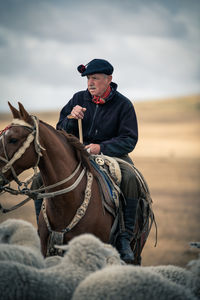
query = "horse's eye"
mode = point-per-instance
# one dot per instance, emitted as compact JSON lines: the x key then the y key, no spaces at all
{"x":13,"y":141}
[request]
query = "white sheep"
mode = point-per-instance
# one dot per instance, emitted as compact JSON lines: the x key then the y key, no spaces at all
{"x":21,"y":254}
{"x":194,"y":265}
{"x":180,"y":276}
{"x":178,"y":281}
{"x":90,"y":247}
{"x":85,"y":254}
{"x":19,"y":232}
{"x":130,"y":282}
{"x":21,"y":282}
{"x":113,"y":259}
{"x":19,"y":242}
{"x":188,"y":278}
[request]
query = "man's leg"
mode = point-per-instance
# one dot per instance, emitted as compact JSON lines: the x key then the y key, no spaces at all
{"x":130,"y":189}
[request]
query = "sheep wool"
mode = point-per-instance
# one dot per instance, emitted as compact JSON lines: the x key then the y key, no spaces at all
{"x":51,"y":261}
{"x":21,"y":282}
{"x":19,"y":232}
{"x":84,"y":255}
{"x":19,"y":242}
{"x":187,"y":278}
{"x":129,"y":282}
{"x":21,"y":254}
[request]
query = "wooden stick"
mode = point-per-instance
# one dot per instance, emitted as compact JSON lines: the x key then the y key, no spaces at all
{"x":80,"y":130}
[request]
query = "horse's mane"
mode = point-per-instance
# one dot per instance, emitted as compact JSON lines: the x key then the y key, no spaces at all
{"x":81,"y":154}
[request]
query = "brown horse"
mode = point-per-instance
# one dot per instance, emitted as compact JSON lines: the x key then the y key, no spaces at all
{"x":74,"y":204}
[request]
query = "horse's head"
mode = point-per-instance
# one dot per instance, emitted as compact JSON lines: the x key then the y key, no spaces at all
{"x":17,"y":147}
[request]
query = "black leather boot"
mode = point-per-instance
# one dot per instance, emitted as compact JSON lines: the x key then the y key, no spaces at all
{"x":124,"y":239}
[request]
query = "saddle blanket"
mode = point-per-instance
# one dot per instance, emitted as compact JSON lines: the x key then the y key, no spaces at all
{"x":109,"y":177}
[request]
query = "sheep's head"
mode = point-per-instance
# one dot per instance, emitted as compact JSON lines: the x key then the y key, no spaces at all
{"x":195,"y":244}
{"x":19,"y":232}
{"x":194,"y":265}
{"x":88,"y":251}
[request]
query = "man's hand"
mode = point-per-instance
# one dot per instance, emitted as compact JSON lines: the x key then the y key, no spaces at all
{"x":93,"y":148}
{"x":78,"y":112}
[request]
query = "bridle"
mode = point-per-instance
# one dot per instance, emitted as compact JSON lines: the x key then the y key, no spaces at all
{"x":23,"y":186}
{"x":33,"y":136}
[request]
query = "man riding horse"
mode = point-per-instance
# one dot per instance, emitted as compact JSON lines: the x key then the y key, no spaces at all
{"x":109,"y":127}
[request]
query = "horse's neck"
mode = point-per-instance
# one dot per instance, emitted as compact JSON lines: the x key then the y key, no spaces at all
{"x":58,"y":160}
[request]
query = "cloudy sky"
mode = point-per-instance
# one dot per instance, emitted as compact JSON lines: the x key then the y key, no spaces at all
{"x":154,"y":46}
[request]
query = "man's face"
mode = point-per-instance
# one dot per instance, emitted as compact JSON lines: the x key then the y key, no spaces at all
{"x":98,"y":83}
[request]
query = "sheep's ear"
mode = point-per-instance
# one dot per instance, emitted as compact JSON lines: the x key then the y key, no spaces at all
{"x":108,"y":251}
{"x":15,"y":112}
{"x":24,"y":114}
{"x":195,"y":244}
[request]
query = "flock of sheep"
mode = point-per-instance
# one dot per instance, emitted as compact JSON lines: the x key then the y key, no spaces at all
{"x":89,"y":269}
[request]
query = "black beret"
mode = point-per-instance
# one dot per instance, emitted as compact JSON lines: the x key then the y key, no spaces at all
{"x":96,"y":66}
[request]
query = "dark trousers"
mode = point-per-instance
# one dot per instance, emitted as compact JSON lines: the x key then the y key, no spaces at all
{"x":130,"y":189}
{"x":129,"y":183}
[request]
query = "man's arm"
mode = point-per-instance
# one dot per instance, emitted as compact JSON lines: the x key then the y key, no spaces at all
{"x":127,"y":136}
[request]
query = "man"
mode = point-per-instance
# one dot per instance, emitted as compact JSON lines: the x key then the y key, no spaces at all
{"x":109,"y":127}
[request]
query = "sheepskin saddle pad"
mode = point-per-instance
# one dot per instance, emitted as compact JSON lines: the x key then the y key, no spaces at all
{"x":109,"y":177}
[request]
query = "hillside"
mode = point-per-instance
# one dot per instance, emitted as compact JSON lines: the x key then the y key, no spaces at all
{"x":168,"y":155}
{"x":169,"y":127}
{"x":169,"y":110}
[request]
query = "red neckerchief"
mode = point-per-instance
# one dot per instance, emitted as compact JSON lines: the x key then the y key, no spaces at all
{"x":101,"y":100}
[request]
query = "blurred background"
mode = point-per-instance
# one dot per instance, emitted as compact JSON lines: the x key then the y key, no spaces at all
{"x":154,"y":48}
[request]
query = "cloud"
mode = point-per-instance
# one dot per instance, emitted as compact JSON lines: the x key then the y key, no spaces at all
{"x":153,"y":45}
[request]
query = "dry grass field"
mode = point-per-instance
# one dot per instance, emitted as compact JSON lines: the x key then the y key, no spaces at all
{"x":168,"y":155}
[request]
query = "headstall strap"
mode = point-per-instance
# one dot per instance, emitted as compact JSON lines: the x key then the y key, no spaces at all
{"x":19,"y":153}
{"x":33,"y":136}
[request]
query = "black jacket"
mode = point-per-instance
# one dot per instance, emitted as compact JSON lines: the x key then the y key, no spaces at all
{"x":113,"y":125}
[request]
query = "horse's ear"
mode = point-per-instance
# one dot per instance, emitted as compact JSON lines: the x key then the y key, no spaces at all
{"x":15,"y":112}
{"x":23,"y":113}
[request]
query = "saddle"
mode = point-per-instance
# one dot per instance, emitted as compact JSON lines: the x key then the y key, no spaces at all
{"x":109,"y":177}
